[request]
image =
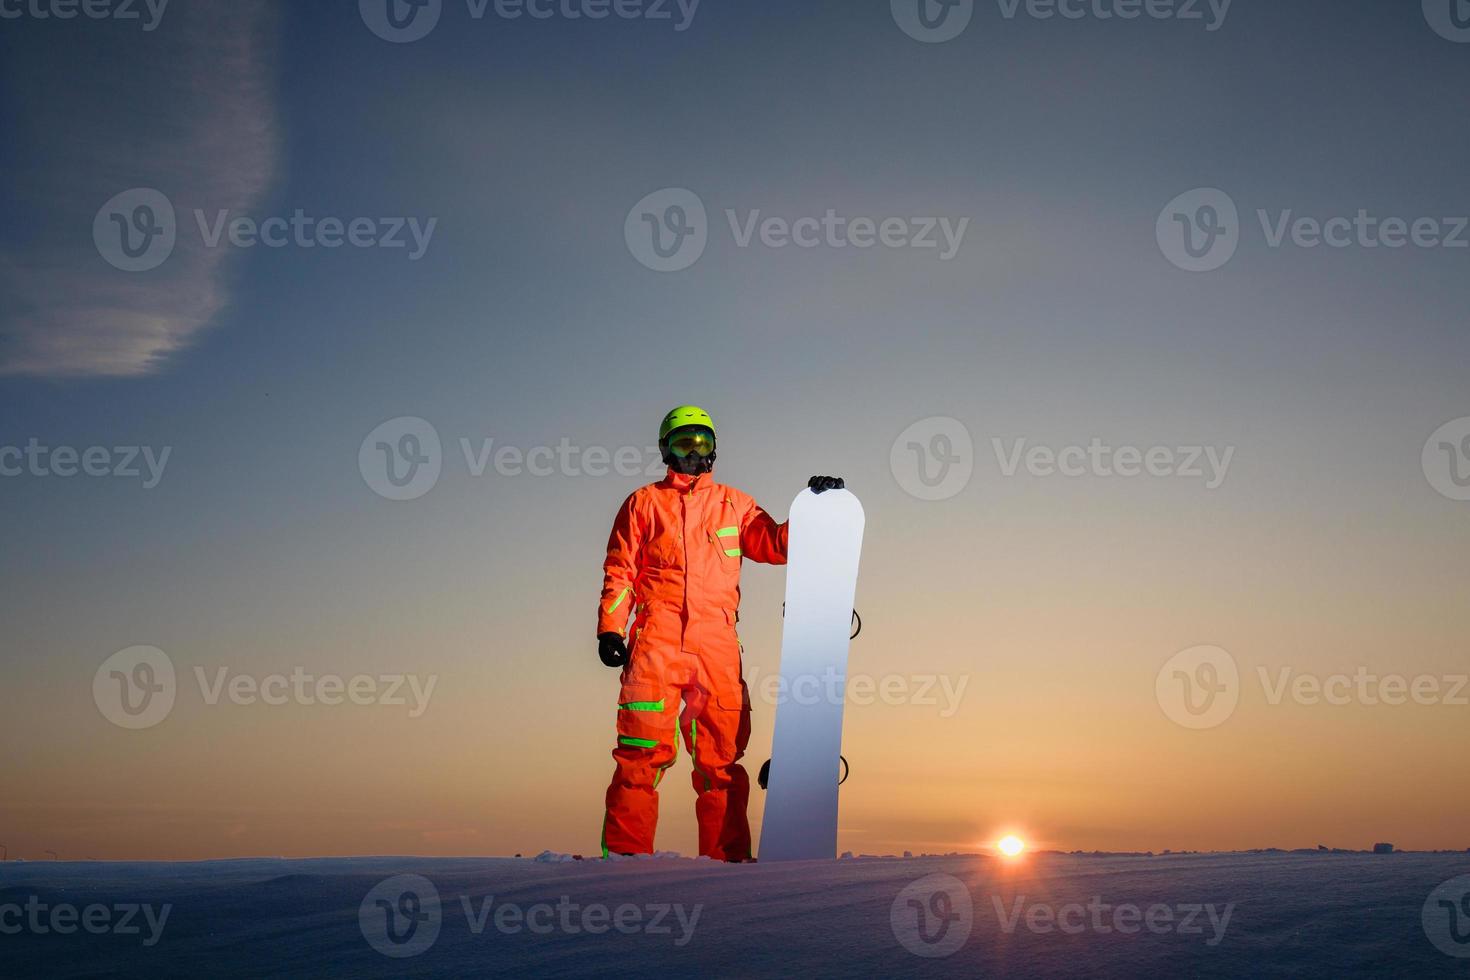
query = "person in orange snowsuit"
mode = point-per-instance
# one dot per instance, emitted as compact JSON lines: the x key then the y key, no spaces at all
{"x":673,"y":567}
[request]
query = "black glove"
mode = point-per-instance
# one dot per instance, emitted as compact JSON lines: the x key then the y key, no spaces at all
{"x":821,"y":483}
{"x":612,"y":650}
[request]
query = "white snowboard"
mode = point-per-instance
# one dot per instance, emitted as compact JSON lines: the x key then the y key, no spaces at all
{"x":826,"y":538}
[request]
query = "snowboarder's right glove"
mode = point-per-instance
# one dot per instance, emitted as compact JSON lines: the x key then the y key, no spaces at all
{"x":821,"y":484}
{"x":612,"y":650}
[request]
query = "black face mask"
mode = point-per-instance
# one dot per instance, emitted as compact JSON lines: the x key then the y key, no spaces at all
{"x":691,"y":465}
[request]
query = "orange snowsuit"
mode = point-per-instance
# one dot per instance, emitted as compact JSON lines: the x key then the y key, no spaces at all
{"x":673,"y":562}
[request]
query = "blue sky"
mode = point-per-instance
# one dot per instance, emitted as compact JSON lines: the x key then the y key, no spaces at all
{"x":527,"y":320}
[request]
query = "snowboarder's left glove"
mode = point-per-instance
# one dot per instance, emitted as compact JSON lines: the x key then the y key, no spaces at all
{"x":820,"y":483}
{"x":612,"y":650}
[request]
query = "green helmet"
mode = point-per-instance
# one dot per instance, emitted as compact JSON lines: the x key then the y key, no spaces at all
{"x":682,"y":416}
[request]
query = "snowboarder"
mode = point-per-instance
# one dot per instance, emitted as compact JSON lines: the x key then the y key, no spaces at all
{"x":673,"y":565}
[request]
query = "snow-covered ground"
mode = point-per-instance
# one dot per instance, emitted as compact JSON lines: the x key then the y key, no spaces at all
{"x":1047,"y":915}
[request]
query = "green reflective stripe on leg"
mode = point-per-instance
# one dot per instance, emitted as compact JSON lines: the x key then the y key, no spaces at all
{"x":621,"y":596}
{"x":642,"y":705}
{"x":693,"y":751}
{"x":642,"y":743}
{"x":605,"y":815}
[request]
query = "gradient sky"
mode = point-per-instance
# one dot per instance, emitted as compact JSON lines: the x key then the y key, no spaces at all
{"x":1054,"y":600}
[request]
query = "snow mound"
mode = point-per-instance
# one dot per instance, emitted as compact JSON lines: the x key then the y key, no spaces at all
{"x":554,"y":857}
{"x":1045,"y":915}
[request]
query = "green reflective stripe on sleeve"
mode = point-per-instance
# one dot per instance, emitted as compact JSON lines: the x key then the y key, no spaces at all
{"x":641,"y":706}
{"x":642,"y":743}
{"x":621,"y":596}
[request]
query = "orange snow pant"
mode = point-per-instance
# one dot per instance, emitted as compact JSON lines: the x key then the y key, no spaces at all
{"x":674,"y":558}
{"x":714,"y":726}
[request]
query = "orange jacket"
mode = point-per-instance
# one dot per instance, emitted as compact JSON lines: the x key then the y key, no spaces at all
{"x":674,"y":556}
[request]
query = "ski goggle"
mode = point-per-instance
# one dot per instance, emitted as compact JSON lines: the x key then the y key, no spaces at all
{"x":695,"y":442}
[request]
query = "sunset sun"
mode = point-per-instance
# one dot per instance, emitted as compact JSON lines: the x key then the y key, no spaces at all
{"x":1010,"y":845}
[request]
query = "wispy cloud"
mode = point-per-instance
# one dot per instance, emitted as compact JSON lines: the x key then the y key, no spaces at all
{"x":187,"y":109}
